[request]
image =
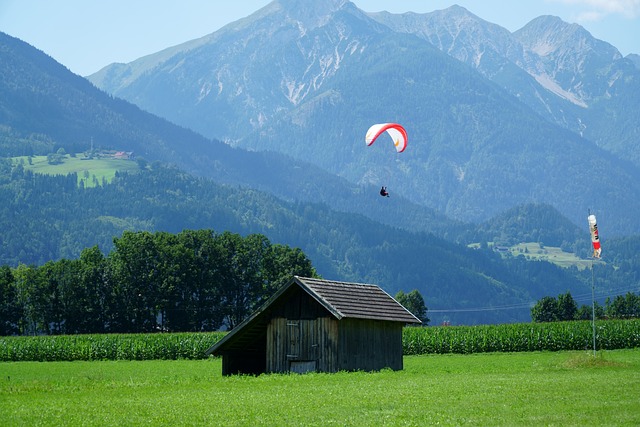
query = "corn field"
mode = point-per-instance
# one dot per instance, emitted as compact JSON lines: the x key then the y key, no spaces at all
{"x":107,"y":347}
{"x":574,"y":335}
{"x":577,"y":335}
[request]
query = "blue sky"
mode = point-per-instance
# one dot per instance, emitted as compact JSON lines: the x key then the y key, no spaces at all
{"x":86,"y":35}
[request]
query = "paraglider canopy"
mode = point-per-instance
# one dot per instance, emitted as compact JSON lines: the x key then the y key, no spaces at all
{"x":395,"y":131}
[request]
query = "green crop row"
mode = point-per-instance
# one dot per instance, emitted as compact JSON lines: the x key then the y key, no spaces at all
{"x":107,"y":347}
{"x":575,"y":335}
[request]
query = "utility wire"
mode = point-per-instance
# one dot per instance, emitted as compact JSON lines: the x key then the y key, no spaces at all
{"x":580,"y":298}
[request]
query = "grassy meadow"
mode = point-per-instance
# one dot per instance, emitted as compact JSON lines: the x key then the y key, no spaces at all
{"x":535,"y":251}
{"x":535,"y":388}
{"x":91,"y":171}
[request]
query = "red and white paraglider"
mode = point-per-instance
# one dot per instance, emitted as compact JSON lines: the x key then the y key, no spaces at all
{"x":595,"y":238}
{"x":395,"y":131}
{"x":398,"y":135}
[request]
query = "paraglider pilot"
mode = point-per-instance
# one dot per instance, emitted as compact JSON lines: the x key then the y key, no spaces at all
{"x":383,"y":192}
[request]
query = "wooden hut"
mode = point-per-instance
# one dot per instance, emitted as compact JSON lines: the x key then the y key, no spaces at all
{"x":318,"y":325}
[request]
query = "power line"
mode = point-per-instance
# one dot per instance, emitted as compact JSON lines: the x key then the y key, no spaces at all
{"x":580,"y":298}
{"x":495,"y":308}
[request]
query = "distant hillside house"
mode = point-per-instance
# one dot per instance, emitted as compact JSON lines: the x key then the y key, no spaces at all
{"x":318,"y":325}
{"x":123,"y":155}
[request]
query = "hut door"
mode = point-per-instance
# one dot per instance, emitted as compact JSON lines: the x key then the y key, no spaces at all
{"x":302,"y":349}
{"x":293,"y":337}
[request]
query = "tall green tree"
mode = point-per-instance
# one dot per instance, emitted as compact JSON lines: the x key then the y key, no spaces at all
{"x":545,"y":310}
{"x":67,"y":305}
{"x":280,"y":264}
{"x":176,"y":282}
{"x":567,"y":307}
{"x":134,"y":268}
{"x":243,"y":275}
{"x":29,"y":297}
{"x":10,"y":309}
{"x":40,"y":293}
{"x":585,"y":312}
{"x":414,"y":302}
{"x":46,"y":302}
{"x":201,"y":304}
{"x":92,"y":294}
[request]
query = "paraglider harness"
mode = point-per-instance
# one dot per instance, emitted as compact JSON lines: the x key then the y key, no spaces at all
{"x":383,"y":192}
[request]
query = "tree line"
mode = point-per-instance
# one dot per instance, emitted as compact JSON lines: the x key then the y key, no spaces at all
{"x":564,"y":308}
{"x":190,"y":281}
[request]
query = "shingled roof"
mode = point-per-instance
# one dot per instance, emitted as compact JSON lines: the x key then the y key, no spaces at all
{"x":356,"y":300}
{"x":341,"y":299}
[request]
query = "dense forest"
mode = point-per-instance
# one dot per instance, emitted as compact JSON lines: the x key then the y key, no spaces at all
{"x":50,"y":218}
{"x":191,"y":281}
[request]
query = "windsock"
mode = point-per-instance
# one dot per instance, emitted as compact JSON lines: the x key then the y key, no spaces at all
{"x":595,"y":238}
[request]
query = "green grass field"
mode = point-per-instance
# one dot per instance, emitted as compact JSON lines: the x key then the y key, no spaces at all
{"x":551,"y":254}
{"x":540,"y":388}
{"x":534,"y":251}
{"x":91,"y":171}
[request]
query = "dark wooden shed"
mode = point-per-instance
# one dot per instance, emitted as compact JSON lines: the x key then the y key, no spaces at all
{"x":318,"y":325}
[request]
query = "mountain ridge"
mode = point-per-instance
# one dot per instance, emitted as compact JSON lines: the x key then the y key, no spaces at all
{"x":482,"y":145}
{"x":83,"y":117}
{"x":584,"y":100}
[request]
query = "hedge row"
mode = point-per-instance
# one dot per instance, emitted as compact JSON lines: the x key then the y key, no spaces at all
{"x":610,"y":334}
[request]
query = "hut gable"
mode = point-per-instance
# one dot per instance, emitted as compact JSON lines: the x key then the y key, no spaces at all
{"x":318,"y":325}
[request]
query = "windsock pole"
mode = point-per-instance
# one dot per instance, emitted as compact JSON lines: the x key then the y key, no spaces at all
{"x":593,"y":308}
{"x":597,"y":250}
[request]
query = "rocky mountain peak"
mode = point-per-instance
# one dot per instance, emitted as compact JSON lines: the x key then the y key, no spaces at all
{"x":456,"y":12}
{"x":456,"y":31}
{"x":310,"y":14}
{"x":565,"y":57}
{"x":549,"y":35}
{"x":300,"y":76}
{"x":315,"y":7}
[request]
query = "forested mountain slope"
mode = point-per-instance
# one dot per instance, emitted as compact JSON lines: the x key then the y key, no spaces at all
{"x":45,"y":107}
{"x":310,"y":83}
{"x":48,"y":218}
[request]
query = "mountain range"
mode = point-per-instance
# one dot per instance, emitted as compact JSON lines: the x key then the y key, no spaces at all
{"x":495,"y":119}
{"x":558,"y":69}
{"x":300,"y":88}
{"x":44,"y":107}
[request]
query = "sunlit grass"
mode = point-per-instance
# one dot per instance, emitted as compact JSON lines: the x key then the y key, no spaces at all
{"x":555,"y":255}
{"x":541,"y":388}
{"x":536,"y":252}
{"x":91,"y":172}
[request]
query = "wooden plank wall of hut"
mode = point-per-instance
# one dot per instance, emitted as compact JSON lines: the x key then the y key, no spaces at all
{"x":297,"y":341}
{"x":369,"y":345}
